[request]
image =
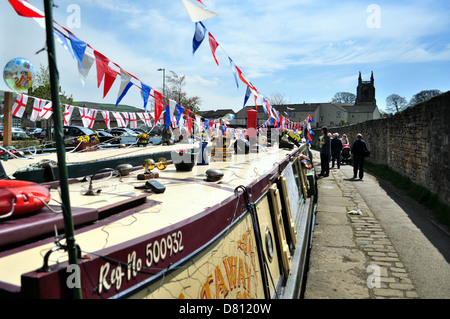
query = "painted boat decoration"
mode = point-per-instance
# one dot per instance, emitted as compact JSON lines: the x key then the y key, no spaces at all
{"x":244,"y":234}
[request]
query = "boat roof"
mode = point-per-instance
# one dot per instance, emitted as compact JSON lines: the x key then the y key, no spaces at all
{"x":187,"y":195}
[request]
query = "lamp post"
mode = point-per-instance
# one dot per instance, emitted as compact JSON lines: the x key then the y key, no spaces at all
{"x":164,"y":80}
{"x":164,"y":138}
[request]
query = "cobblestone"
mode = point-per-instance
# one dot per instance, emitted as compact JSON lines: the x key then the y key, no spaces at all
{"x":389,"y":278}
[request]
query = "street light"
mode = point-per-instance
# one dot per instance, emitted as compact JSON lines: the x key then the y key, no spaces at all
{"x":164,"y":80}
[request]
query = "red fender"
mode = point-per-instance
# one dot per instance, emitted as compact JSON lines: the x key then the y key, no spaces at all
{"x":24,"y":194}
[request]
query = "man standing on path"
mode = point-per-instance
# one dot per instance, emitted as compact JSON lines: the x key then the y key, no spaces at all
{"x":358,"y":151}
{"x":336,"y":149}
{"x":325,"y":153}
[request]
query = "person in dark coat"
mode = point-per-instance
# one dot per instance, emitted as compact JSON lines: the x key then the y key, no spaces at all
{"x":336,"y":149}
{"x":325,"y":152}
{"x":358,"y":151}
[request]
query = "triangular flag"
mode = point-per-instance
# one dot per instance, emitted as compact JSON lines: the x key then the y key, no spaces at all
{"x":247,"y":95}
{"x":24,"y":10}
{"x":85,"y":67}
{"x":107,"y":119}
{"x":158,"y":105}
{"x":125,"y":84}
{"x":104,"y":71}
{"x":133,"y":120}
{"x":126,"y":118}
{"x":145,"y":91}
{"x":233,"y":68}
{"x":197,"y":13}
{"x":37,"y":108}
{"x":78,"y":47}
{"x":68,"y":109}
{"x":119,"y":119}
{"x":20,"y":105}
{"x":46,"y":111}
{"x":63,"y":41}
{"x":213,"y":44}
{"x":179,"y":113}
{"x":199,"y":35}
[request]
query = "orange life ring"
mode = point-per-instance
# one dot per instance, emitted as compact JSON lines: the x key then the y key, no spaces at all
{"x":21,"y":197}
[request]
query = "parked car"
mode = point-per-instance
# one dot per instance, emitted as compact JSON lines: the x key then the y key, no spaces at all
{"x":17,"y":133}
{"x":122,"y":131}
{"x":34,"y":132}
{"x":106,"y":137}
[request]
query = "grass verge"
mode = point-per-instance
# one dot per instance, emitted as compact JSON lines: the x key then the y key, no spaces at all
{"x":417,"y":192}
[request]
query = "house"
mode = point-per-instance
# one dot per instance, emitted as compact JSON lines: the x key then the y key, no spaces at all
{"x":325,"y":114}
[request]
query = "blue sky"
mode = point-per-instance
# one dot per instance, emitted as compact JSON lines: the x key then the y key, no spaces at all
{"x":305,"y":50}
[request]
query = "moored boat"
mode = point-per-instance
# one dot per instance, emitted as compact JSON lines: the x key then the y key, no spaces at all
{"x":244,"y":236}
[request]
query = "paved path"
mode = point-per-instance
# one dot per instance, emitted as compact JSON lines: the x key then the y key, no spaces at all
{"x":391,"y":250}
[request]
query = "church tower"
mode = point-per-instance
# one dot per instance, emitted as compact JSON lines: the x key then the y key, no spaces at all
{"x":365,"y":92}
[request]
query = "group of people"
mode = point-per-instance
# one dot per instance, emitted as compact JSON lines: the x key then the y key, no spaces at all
{"x":330,"y":150}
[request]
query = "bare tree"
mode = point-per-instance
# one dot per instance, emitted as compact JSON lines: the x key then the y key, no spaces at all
{"x":344,"y":97}
{"x":278,"y":98}
{"x":176,"y":92}
{"x":395,"y":103}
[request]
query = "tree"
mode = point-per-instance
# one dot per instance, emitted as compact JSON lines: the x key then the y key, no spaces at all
{"x":175,"y":91}
{"x":344,"y":97}
{"x":395,"y":103}
{"x":424,"y":96}
{"x":41,"y":89}
{"x":278,"y":99}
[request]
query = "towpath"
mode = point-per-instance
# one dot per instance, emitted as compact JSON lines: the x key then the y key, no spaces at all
{"x":393,"y":249}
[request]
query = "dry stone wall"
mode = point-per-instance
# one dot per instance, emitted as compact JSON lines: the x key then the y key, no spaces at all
{"x":414,"y":143}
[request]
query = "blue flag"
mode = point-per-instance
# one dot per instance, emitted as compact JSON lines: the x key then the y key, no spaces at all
{"x":180,"y":110}
{"x":78,"y":48}
{"x":199,"y":35}
{"x":233,"y":68}
{"x":145,"y":94}
{"x":247,"y":95}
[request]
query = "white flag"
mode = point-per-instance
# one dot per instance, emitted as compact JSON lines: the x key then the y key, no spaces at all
{"x":38,"y":105}
{"x":19,"y":105}
{"x":46,"y":111}
{"x":107,"y":119}
{"x":68,"y":109}
{"x":197,"y":13}
{"x":119,"y":119}
{"x":87,"y":62}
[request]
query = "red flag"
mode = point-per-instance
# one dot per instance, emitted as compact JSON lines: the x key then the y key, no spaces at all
{"x":104,"y":71}
{"x":190,"y":122}
{"x":213,"y":44}
{"x":158,"y":105}
{"x":243,"y":79}
{"x":24,"y":10}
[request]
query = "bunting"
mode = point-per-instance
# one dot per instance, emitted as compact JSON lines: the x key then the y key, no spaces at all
{"x":68,"y":109}
{"x":19,"y":105}
{"x":213,"y":45}
{"x":46,"y":111}
{"x":199,"y":35}
{"x":105,"y":115}
{"x":119,"y":119}
{"x":158,"y":105}
{"x":125,"y":84}
{"x":37,"y":108}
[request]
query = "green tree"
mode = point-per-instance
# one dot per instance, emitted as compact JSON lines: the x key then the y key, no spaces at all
{"x":344,"y":97}
{"x":424,"y":96}
{"x":41,"y":89}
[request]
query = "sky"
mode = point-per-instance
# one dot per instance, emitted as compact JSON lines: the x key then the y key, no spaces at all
{"x":304,"y":50}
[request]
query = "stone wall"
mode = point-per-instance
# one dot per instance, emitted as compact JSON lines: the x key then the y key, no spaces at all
{"x":414,"y":142}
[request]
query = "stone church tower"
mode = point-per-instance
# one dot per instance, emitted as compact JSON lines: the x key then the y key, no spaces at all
{"x":365,"y":92}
